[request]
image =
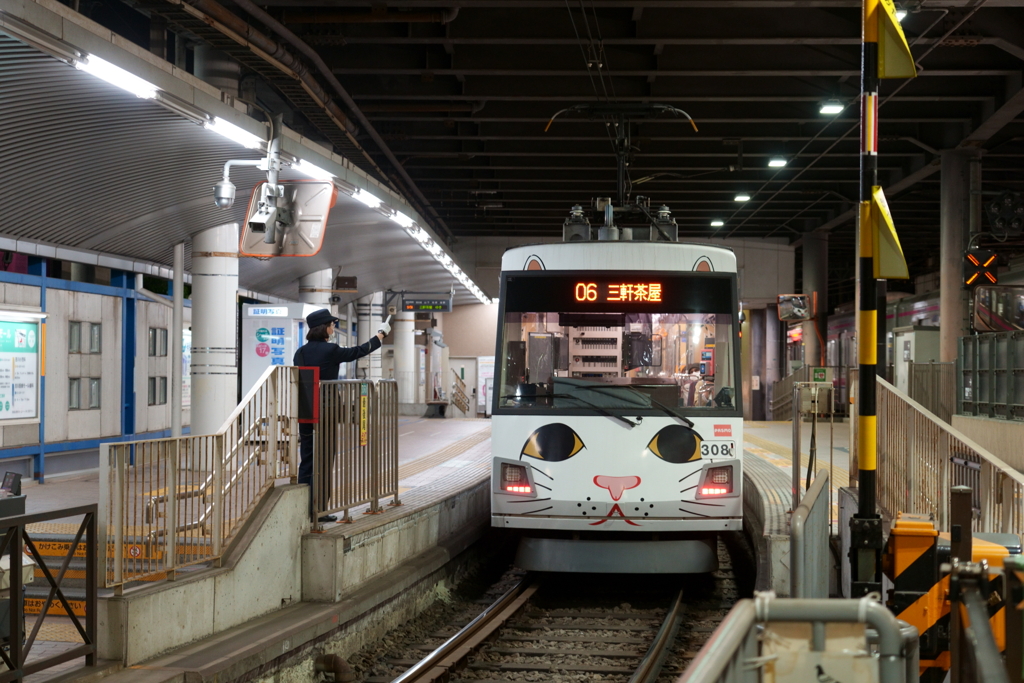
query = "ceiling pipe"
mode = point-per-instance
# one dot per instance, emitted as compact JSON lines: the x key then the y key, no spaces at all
{"x":284,"y":32}
{"x":382,"y":16}
{"x":471,"y":107}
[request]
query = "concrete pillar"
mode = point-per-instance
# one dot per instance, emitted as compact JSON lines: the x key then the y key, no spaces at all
{"x":177,"y":329}
{"x":815,"y":268}
{"x":214,"y":318}
{"x":954,"y":217}
{"x":369,"y":308}
{"x":758,"y":391}
{"x":315,"y":288}
{"x":405,"y":356}
{"x":773,"y":355}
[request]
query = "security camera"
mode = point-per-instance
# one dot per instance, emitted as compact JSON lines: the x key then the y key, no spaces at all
{"x":224,"y":194}
{"x":264,"y":219}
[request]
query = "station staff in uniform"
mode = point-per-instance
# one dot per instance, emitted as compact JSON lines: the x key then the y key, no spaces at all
{"x":318,"y":351}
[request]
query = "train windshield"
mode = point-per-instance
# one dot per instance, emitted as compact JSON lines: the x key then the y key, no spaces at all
{"x":651,"y":341}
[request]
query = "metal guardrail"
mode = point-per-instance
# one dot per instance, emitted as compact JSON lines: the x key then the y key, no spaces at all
{"x":991,"y":378}
{"x":733,"y":653}
{"x":920,"y":458}
{"x":809,"y":551}
{"x":170,"y":503}
{"x":17,"y":540}
{"x":355,"y":449}
{"x":933,"y":385}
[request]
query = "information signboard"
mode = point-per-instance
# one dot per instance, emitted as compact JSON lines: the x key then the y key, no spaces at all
{"x":421,"y":304}
{"x":20,"y":357}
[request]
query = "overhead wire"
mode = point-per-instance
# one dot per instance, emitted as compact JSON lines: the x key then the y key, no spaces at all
{"x":856,"y":126}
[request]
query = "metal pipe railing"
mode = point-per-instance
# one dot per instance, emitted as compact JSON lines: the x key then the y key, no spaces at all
{"x":355,"y":447}
{"x":169,"y":503}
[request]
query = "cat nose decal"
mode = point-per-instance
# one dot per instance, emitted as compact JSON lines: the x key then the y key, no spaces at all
{"x":616,"y":485}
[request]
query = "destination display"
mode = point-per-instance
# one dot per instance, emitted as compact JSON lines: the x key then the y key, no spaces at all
{"x":622,"y":292}
{"x":19,"y":371}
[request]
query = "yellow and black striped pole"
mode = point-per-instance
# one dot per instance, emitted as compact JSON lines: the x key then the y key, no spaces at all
{"x":866,"y":526}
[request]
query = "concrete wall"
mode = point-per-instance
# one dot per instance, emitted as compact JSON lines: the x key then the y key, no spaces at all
{"x":261,"y":576}
{"x":156,"y":417}
{"x":471,"y":330}
{"x":1002,"y":438}
{"x":332,"y":566}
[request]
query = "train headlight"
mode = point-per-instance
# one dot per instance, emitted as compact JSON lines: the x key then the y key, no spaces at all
{"x":718,"y":482}
{"x":514,"y":479}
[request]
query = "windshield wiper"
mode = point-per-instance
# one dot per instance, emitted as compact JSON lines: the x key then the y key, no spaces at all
{"x":664,"y":408}
{"x":668,"y":411}
{"x":596,"y":407}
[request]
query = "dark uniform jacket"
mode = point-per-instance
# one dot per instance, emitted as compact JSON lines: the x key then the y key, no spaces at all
{"x":328,"y":356}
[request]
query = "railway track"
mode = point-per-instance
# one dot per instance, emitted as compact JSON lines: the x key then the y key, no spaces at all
{"x":522,"y":636}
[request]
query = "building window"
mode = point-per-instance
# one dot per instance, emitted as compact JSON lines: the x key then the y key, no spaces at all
{"x":74,"y":337}
{"x":74,"y":393}
{"x":94,"y":393}
{"x":157,"y":391}
{"x":95,"y":338}
{"x":157,"y":341}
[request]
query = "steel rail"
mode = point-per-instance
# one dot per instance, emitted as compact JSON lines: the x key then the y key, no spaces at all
{"x":650,"y":665}
{"x":439,"y":662}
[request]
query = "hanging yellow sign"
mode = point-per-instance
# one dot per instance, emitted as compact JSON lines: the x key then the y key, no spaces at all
{"x":889,"y":261}
{"x":894,"y":57}
{"x":363,"y":401}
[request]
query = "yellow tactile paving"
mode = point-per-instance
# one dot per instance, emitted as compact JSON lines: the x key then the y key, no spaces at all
{"x":434,"y":459}
{"x":59,"y":630}
{"x":840,"y":477}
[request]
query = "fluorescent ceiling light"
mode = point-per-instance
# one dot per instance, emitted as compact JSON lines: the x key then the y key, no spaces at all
{"x":831,"y":107}
{"x":366,"y":198}
{"x":234,"y":133}
{"x":776,"y":163}
{"x":717,"y":224}
{"x":312,"y":170}
{"x":901,"y":14}
{"x":402,"y":219}
{"x":741,"y":197}
{"x":115,"y":75}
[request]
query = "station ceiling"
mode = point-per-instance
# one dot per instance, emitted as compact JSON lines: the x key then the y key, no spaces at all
{"x":449,"y":103}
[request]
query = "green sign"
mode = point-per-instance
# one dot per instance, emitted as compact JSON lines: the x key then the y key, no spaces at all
{"x":19,"y":370}
{"x":819,"y":375}
{"x":262,"y":334}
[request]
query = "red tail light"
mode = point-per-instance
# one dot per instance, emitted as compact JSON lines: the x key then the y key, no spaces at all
{"x":514,"y":479}
{"x":718,"y":482}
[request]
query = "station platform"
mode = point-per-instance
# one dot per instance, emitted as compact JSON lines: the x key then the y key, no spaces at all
{"x":373,"y":561}
{"x":443,"y":469}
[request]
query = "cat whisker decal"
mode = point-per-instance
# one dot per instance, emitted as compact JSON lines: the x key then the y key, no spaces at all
{"x":691,"y":512}
{"x":529,"y":500}
{"x":530,"y":512}
{"x":689,"y":488}
{"x":689,"y":475}
{"x":693,"y":502}
{"x":541,"y":486}
{"x":542,"y":472}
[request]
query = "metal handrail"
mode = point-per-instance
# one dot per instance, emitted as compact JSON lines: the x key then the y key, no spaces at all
{"x":169,"y":503}
{"x":809,"y":541}
{"x":920,"y":457}
{"x":355,"y":446}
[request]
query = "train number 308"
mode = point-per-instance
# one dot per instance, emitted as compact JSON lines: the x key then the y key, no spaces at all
{"x":715,"y":449}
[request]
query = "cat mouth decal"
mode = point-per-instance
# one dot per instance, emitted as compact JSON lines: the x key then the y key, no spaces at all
{"x":608,"y":517}
{"x":616,"y":485}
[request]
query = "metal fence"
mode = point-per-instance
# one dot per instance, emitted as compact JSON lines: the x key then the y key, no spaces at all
{"x":733,"y":654}
{"x":355,"y":453}
{"x":920,"y":458}
{"x":933,"y":385}
{"x":991,"y":378}
{"x":174,"y":502}
{"x":782,"y":391}
{"x":809,"y":530}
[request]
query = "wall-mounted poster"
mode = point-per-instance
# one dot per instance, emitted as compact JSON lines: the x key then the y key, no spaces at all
{"x":20,"y":366}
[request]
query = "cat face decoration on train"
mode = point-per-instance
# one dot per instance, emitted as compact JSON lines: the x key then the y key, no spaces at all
{"x":672,"y":445}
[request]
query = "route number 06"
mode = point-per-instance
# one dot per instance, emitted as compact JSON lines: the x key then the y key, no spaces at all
{"x":714,"y":449}
{"x":586,"y":291}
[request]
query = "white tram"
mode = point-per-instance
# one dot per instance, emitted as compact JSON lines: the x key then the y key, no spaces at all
{"x":617,"y":426}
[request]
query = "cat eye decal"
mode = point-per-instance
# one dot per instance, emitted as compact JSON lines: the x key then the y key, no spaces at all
{"x":553,"y":443}
{"x":676,"y":444}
